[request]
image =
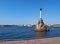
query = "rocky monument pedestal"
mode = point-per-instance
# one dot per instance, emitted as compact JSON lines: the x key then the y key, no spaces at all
{"x":40,"y":26}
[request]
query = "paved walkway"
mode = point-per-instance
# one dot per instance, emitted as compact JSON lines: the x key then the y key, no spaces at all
{"x":54,"y":40}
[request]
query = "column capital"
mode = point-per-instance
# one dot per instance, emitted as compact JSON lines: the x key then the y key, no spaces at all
{"x":40,"y":9}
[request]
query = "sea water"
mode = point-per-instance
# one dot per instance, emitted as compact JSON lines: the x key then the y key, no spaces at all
{"x":25,"y":32}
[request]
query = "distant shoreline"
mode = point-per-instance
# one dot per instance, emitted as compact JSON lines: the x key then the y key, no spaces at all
{"x":56,"y":25}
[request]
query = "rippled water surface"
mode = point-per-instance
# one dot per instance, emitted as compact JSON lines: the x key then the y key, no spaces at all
{"x":21,"y":32}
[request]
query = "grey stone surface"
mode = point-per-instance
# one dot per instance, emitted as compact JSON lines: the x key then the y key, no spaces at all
{"x":53,"y":40}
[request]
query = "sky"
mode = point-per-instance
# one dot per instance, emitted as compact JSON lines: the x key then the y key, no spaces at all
{"x":27,"y":11}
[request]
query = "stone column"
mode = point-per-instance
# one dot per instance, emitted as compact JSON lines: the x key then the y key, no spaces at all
{"x":40,"y":12}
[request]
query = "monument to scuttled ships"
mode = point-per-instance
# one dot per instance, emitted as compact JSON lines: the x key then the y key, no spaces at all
{"x":40,"y":26}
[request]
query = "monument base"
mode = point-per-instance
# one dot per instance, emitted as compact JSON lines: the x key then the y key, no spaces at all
{"x":42,"y":30}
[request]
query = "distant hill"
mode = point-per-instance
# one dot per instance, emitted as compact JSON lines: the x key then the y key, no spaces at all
{"x":56,"y":25}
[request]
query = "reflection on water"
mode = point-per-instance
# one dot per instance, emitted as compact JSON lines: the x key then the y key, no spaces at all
{"x":39,"y":34}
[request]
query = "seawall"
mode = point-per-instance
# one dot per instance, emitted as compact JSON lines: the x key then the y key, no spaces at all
{"x":53,"y":40}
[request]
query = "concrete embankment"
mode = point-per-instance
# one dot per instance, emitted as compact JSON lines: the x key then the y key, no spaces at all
{"x":53,"y":40}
